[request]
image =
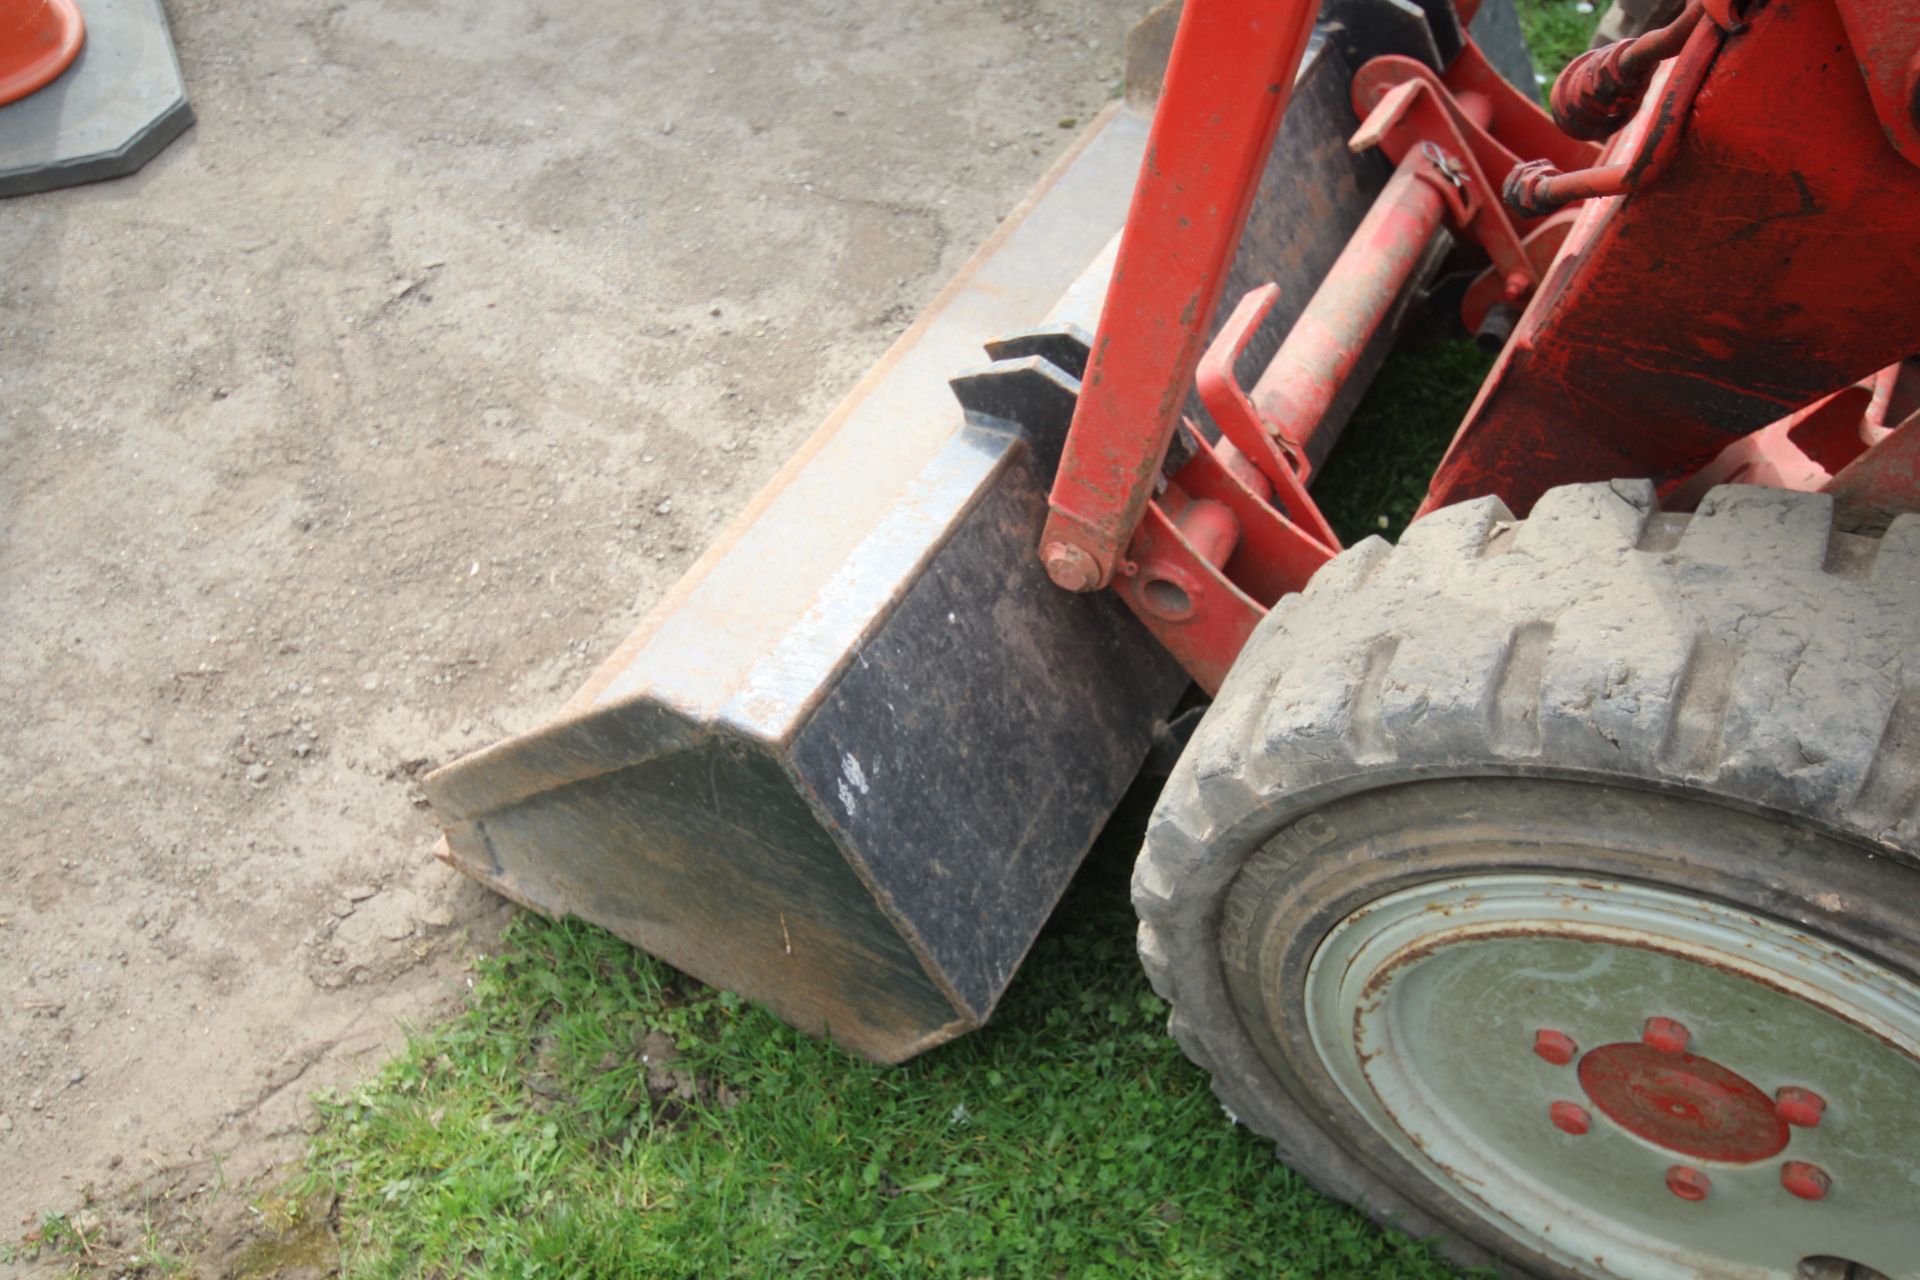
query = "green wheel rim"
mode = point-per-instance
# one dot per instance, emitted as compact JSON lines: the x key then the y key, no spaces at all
{"x":1427,"y":1008}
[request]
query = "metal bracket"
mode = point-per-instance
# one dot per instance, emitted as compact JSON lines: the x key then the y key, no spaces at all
{"x":1406,"y":108}
{"x":1242,"y":424}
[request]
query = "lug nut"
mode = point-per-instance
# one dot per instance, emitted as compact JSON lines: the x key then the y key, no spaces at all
{"x":1799,"y":1107}
{"x":1570,"y":1117}
{"x":1556,"y":1047}
{"x":1688,"y":1182}
{"x":1808,"y":1181}
{"x":1666,"y":1035}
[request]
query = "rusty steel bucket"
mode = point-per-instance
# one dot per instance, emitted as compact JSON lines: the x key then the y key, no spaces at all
{"x":847,"y":766}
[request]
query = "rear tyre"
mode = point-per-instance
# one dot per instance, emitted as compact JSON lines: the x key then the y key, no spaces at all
{"x":1518,"y":870}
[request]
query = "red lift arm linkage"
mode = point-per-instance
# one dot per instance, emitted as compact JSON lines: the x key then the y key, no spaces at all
{"x":1749,"y":247}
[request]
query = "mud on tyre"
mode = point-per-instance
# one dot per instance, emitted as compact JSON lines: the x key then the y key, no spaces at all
{"x":1549,"y":887}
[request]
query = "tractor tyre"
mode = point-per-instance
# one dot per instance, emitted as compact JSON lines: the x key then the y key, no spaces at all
{"x":1549,"y":888}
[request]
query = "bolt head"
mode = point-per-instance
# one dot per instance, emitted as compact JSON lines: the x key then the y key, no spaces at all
{"x":1556,"y":1047}
{"x":1807,"y":1181}
{"x":1799,"y":1107}
{"x":1570,"y":1117}
{"x":1666,"y":1035}
{"x":1688,"y":1182}
{"x":1070,"y":567}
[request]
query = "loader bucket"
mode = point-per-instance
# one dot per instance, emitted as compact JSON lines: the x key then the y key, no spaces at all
{"x":847,"y":766}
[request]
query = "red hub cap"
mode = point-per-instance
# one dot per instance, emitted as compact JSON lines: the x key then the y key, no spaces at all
{"x":1689,"y":1105}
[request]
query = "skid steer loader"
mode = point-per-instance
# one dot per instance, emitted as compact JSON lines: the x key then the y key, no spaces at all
{"x":1548,"y":883}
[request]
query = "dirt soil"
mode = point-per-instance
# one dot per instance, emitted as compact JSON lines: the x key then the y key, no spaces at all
{"x":352,"y":432}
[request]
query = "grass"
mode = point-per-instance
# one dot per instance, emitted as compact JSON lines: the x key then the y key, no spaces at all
{"x":78,"y":1244}
{"x":1556,"y":31}
{"x":68,"y":1237}
{"x":1378,"y":473}
{"x":530,"y":1137}
{"x":526,"y":1138}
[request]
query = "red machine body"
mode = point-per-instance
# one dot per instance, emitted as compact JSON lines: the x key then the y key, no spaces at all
{"x":1724,"y":289}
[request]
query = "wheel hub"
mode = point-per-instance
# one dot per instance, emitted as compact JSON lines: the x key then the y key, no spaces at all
{"x":1688,"y":1105}
{"x":1632,"y":1082}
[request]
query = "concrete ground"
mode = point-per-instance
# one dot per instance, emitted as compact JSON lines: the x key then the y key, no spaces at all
{"x":352,"y":432}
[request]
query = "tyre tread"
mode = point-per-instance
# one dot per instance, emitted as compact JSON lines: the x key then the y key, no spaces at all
{"x":1712,"y":652}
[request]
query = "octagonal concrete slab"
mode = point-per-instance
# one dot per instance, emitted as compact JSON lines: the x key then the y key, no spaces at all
{"x":120,"y":103}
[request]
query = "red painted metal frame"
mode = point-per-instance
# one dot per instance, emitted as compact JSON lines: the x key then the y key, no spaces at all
{"x":1227,"y":537}
{"x":1539,"y":187}
{"x":1886,"y":38}
{"x":1290,"y":402}
{"x":1473,"y":112}
{"x":1275,"y":449}
{"x":1601,"y":90}
{"x":1855,"y":444}
{"x":1770,"y":264}
{"x":1747,"y":248}
{"x":1801,"y":451}
{"x":1407,"y":108}
{"x":1489,"y":289}
{"x":1209,"y":515}
{"x":1201,"y":560}
{"x":1228,"y":80}
{"x":1869,"y":492}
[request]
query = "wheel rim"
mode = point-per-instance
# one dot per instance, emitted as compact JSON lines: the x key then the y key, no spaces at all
{"x":1651,"y":1138}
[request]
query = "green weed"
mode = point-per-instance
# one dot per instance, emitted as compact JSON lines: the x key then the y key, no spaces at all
{"x":1557,"y":31}
{"x":71,"y":1238}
